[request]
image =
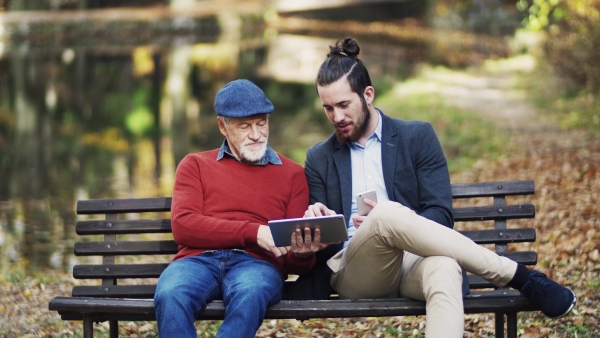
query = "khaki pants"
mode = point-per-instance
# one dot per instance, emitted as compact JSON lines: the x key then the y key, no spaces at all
{"x":397,"y":253}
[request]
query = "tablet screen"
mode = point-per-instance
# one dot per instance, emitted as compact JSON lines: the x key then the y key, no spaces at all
{"x":333,"y":228}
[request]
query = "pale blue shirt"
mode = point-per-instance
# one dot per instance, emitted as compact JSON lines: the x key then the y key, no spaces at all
{"x":367,"y":171}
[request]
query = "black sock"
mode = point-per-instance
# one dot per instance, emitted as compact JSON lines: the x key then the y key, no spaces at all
{"x":521,"y":276}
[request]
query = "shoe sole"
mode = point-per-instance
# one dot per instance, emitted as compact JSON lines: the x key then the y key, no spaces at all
{"x":570,"y":307}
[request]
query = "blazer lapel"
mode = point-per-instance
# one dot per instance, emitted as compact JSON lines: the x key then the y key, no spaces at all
{"x":389,"y":152}
{"x":343,"y":164}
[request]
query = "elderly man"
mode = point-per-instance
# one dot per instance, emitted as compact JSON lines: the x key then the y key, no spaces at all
{"x":222,"y":201}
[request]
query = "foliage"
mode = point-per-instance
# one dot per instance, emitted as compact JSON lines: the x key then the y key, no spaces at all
{"x":490,"y":17}
{"x":140,"y":120}
{"x":569,"y":78}
{"x":541,"y":13}
{"x":573,"y":45}
{"x":571,"y":109}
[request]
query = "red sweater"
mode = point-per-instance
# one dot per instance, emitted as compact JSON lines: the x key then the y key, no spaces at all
{"x":220,"y":205}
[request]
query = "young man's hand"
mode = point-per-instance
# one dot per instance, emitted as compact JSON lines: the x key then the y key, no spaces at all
{"x":357,"y":219}
{"x":318,"y":209}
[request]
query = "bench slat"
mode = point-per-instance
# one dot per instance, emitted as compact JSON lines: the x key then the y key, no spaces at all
{"x":122,"y":205}
{"x":488,"y":189}
{"x":487,"y":213}
{"x":478,"y":282}
{"x":523,"y":257}
{"x":154,"y":271}
{"x":115,"y":291}
{"x":160,"y":204}
{"x":501,"y":236}
{"x":119,"y":271}
{"x":167,"y":247}
{"x":103,"y":227}
{"x":146,"y":291}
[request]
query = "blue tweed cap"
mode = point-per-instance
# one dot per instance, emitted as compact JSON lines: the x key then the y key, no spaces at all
{"x":241,"y":98}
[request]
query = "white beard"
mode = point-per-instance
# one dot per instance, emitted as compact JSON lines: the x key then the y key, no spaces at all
{"x":254,"y":153}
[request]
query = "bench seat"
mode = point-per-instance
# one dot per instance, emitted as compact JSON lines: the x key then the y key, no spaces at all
{"x":73,"y":308}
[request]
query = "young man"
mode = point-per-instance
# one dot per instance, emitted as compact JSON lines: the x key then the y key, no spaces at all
{"x":405,"y":247}
{"x":222,"y":201}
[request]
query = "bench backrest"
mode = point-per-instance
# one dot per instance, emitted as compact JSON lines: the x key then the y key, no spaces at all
{"x":145,"y":258}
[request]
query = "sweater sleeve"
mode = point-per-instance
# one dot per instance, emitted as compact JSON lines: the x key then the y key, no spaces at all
{"x":191,"y":228}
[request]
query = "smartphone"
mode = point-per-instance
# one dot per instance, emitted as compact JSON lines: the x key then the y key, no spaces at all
{"x":364,"y":209}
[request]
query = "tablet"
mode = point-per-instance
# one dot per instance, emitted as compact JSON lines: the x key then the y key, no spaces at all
{"x":333,"y":228}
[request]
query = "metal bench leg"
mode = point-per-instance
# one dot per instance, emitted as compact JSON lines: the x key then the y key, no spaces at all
{"x":114,"y":328}
{"x":511,"y":324}
{"x":88,"y":326}
{"x":499,"y":324}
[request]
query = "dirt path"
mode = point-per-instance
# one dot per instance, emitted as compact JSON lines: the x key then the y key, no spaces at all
{"x":490,"y":91}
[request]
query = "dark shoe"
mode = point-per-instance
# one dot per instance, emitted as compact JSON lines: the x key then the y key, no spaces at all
{"x":555,"y":300}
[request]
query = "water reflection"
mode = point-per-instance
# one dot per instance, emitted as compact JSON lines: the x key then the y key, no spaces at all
{"x":101,"y":116}
{"x":104,"y":120}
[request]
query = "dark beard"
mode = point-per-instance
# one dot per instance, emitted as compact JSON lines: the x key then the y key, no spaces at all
{"x":361,"y":126}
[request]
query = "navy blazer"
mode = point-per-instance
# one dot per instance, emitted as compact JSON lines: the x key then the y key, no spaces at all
{"x":415,"y":172}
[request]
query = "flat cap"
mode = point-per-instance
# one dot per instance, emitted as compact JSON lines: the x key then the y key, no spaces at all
{"x":241,"y":98}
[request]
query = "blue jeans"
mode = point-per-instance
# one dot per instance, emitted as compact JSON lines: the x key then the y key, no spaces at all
{"x":247,"y":285}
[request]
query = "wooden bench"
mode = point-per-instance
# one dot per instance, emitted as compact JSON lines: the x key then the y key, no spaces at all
{"x":126,"y":290}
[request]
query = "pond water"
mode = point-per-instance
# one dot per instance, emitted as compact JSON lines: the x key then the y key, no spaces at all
{"x":107,"y":110}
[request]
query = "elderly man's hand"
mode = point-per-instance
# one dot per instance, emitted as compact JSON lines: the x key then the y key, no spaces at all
{"x":265,"y":241}
{"x":307,"y":246}
{"x":304,"y":247}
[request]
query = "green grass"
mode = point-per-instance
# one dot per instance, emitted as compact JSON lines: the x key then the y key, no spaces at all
{"x":572,"y":108}
{"x":576,"y":330}
{"x":573,"y":111}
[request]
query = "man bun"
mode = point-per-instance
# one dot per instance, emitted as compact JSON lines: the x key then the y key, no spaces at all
{"x":341,"y":61}
{"x":345,"y":47}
